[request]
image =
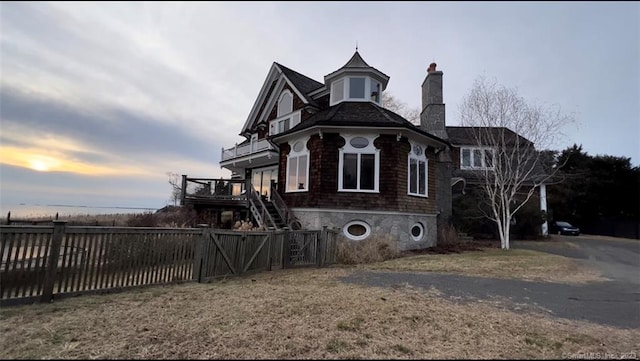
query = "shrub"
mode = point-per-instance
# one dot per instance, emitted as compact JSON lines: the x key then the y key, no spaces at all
{"x":368,"y":251}
{"x":448,"y":235}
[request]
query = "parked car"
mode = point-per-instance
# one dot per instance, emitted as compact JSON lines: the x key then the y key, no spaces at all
{"x":565,"y":228}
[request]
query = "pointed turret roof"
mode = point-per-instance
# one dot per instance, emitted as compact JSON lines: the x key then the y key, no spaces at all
{"x":356,"y":61}
{"x":357,"y":65}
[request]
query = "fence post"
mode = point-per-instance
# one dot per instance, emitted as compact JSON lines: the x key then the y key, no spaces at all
{"x":240,"y":249}
{"x":322,"y":246}
{"x":52,"y":264}
{"x":286,"y":249}
{"x":199,"y":253}
{"x":270,"y":245}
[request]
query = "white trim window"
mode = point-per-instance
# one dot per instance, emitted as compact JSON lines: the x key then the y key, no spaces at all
{"x":477,"y":157}
{"x":356,"y":88}
{"x":284,"y":123}
{"x":298,"y":167}
{"x":359,"y":165}
{"x":285,"y":103}
{"x":357,"y":230}
{"x":418,"y":171}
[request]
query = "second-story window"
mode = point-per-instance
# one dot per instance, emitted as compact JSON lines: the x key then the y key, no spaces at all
{"x":285,"y":104}
{"x":298,"y":167}
{"x":476,"y":158}
{"x":285,"y":117}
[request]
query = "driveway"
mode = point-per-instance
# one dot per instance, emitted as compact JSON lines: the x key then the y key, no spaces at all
{"x":614,"y":303}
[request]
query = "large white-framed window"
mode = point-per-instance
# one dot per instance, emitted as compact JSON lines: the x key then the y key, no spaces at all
{"x":284,"y":123}
{"x":298,"y":166}
{"x":477,"y":157}
{"x":418,"y":171}
{"x":356,"y":88}
{"x":359,"y":164}
{"x":285,"y":103}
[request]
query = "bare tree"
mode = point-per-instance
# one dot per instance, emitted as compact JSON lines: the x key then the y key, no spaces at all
{"x":507,"y":130}
{"x":390,"y":102}
{"x":175,"y":180}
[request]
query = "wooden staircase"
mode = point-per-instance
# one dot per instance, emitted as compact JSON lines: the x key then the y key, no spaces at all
{"x":463,"y":237}
{"x":272,"y":214}
{"x":279,"y":223}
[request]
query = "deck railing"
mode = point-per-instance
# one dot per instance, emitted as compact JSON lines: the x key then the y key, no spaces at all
{"x":246,"y":149}
{"x":213,"y":189}
{"x":279,"y":204}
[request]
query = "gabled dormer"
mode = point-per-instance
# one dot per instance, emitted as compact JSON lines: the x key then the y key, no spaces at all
{"x":356,"y":81}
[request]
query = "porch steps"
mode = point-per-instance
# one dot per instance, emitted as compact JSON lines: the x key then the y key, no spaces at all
{"x":280,"y":224}
{"x":463,"y":237}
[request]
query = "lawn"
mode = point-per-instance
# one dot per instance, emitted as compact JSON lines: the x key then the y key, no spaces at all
{"x":495,"y":262}
{"x":302,"y":313}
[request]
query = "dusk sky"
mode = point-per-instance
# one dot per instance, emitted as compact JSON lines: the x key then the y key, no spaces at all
{"x":98,"y":101}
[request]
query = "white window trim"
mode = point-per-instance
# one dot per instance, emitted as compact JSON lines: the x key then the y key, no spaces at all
{"x":282,"y":95}
{"x":422,"y":232}
{"x":419,"y":158}
{"x":471,"y":156}
{"x":369,"y":149}
{"x":346,"y":88}
{"x":292,"y":153}
{"x":295,"y":120}
{"x":366,"y":234}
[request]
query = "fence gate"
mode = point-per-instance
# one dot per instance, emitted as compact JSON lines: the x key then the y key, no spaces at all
{"x":225,"y":254}
{"x":302,"y":247}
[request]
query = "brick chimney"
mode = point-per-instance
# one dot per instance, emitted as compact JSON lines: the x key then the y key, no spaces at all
{"x":432,"y":117}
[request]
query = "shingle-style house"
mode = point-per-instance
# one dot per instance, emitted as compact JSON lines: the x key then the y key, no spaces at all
{"x":329,"y":154}
{"x":471,"y":159}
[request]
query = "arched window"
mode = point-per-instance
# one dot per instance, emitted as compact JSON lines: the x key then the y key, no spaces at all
{"x":285,"y":104}
{"x":359,"y":164}
{"x":298,"y":166}
{"x":417,"y":182}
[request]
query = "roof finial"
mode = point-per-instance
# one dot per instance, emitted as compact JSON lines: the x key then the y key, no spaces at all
{"x":356,"y":45}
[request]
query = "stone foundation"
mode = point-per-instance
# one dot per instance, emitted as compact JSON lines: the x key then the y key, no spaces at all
{"x":396,"y":225}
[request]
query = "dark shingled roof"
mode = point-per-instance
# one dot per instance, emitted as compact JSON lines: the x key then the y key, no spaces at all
{"x":464,"y":135}
{"x":303,"y":83}
{"x":358,"y":114}
{"x":356,"y":61}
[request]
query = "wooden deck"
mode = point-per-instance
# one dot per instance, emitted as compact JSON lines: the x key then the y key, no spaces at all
{"x":214,"y":193}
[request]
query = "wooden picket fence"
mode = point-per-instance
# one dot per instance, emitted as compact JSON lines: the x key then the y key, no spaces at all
{"x":42,"y":263}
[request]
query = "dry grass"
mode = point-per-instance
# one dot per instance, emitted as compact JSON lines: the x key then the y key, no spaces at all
{"x":297,"y":314}
{"x":179,"y":217}
{"x":367,"y":251}
{"x":492,"y":262}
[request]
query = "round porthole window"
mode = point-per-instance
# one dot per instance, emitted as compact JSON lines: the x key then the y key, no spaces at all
{"x":417,"y":149}
{"x":298,"y":147}
{"x":356,"y":230}
{"x":417,"y":232}
{"x":359,"y":142}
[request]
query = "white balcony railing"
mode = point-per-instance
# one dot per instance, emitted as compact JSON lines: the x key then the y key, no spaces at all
{"x":246,"y":149}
